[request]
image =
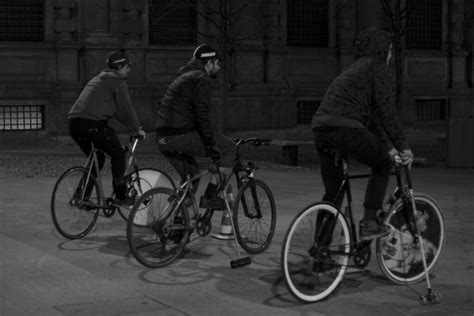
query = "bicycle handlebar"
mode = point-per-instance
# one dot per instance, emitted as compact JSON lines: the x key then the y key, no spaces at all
{"x":256,"y":141}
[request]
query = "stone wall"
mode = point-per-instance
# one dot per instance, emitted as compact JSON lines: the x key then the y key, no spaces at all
{"x":264,"y":78}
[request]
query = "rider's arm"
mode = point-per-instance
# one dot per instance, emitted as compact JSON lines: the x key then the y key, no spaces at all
{"x":384,"y":106}
{"x":125,"y":111}
{"x":202,"y":94}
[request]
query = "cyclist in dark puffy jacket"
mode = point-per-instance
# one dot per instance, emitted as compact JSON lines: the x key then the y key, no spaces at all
{"x":358,"y":118}
{"x":105,"y":96}
{"x":183,"y":125}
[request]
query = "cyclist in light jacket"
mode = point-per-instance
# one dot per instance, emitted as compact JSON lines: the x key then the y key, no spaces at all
{"x":105,"y":96}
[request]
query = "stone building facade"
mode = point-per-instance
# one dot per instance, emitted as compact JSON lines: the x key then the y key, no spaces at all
{"x":281,"y":56}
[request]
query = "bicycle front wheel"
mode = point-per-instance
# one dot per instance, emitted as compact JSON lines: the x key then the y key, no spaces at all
{"x":315,"y":252}
{"x":157,"y":229}
{"x":254,"y":215}
{"x":74,"y":203}
{"x":398,"y":254}
{"x":142,"y":180}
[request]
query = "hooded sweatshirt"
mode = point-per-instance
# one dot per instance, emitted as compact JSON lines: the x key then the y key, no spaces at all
{"x":105,"y":96}
{"x":362,"y":96}
{"x":185,"y":106}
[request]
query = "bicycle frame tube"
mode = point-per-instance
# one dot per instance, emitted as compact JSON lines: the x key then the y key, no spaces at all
{"x":131,"y":159}
{"x":93,"y":163}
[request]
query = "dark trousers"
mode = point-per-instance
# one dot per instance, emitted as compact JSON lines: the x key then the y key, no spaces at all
{"x":363,"y":146}
{"x":181,"y":150}
{"x":104,"y":138}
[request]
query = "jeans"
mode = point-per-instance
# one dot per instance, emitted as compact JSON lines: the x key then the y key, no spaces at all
{"x":363,"y":146}
{"x":181,"y":150}
{"x":104,"y":138}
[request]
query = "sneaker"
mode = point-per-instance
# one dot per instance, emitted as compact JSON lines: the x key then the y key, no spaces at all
{"x":216,"y":203}
{"x":371,"y":229}
{"x":187,"y":202}
{"x":127,"y":201}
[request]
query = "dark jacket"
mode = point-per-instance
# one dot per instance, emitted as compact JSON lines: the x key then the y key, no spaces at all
{"x":105,"y":96}
{"x":362,"y":96}
{"x":185,"y":106}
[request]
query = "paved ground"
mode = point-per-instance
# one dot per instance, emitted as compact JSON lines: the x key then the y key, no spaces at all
{"x":44,"y":274}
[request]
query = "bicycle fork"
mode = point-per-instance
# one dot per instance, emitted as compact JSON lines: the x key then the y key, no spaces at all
{"x":431,"y":297}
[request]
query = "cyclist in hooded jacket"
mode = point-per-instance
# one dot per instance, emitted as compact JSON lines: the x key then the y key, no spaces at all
{"x":183,"y":126}
{"x":358,"y":118}
{"x":105,"y":96}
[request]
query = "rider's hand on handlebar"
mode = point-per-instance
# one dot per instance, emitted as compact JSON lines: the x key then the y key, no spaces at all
{"x":393,"y":153}
{"x":214,"y":152}
{"x":407,"y":157}
{"x":141,"y":134}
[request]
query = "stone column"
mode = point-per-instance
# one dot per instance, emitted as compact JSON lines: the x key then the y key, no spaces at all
{"x":274,"y":57}
{"x":131,"y":22}
{"x":456,"y":37}
{"x":65,"y":25}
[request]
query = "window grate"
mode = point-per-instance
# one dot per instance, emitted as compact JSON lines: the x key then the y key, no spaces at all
{"x":21,"y":117}
{"x":172,"y":22}
{"x":424,"y":24}
{"x":307,"y":23}
{"x":431,"y":109}
{"x":305,"y":110}
{"x":21,"y":20}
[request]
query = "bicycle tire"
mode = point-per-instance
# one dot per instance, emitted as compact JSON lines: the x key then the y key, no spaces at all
{"x":72,"y":220}
{"x":155,"y":240}
{"x":314,"y":261}
{"x":254,"y":234}
{"x":147,"y":178}
{"x":397,"y":254}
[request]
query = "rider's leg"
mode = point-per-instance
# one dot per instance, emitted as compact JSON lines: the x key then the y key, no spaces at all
{"x":369,"y":149}
{"x":107,"y":141}
{"x":83,"y":132}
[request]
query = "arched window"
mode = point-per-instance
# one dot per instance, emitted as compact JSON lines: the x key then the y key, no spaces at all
{"x":307,"y":23}
{"x":172,"y":22}
{"x":21,"y":20}
{"x":424,"y":24}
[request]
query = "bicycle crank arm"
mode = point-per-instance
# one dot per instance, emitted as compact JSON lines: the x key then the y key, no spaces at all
{"x":245,"y":261}
{"x":431,"y":298}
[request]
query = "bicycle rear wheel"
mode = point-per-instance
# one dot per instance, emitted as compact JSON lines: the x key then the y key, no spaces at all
{"x":315,"y":252}
{"x":398,"y":255}
{"x":254,"y":215}
{"x":141,"y":181}
{"x":74,"y":203}
{"x":157,"y":230}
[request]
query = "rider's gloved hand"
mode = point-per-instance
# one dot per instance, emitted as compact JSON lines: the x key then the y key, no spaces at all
{"x":214,"y":152}
{"x":141,"y":134}
{"x":393,"y":152}
{"x":407,"y":156}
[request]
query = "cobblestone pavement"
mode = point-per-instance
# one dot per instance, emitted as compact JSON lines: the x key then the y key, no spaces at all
{"x":44,"y":274}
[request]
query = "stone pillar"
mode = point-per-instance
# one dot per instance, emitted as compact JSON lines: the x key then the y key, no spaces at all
{"x":456,"y":37}
{"x":347,"y":32}
{"x":274,"y":57}
{"x":131,"y":22}
{"x":65,"y":25}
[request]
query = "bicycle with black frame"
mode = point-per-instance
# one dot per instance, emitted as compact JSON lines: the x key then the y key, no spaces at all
{"x":79,"y":195}
{"x":321,"y":239}
{"x":162,"y":220}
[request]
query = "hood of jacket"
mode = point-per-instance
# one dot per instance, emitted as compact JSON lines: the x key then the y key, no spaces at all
{"x":373,"y":42}
{"x":192,"y":65}
{"x":109,"y":73}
